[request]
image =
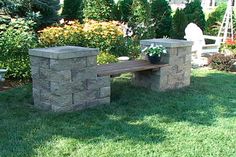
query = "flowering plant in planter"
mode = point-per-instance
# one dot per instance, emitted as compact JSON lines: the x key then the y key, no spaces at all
{"x":154,"y":52}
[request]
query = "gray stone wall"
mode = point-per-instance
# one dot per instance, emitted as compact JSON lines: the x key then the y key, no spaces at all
{"x":65,"y":79}
{"x":176,"y":74}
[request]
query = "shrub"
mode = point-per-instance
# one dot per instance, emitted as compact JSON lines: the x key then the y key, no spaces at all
{"x":105,"y":58}
{"x":24,"y":8}
{"x":141,"y":22}
{"x":179,"y":24}
{"x":124,"y":11}
{"x":98,"y":9}
{"x":14,"y":45}
{"x":67,"y":34}
{"x":221,"y":62}
{"x":107,"y":36}
{"x":161,"y":14}
{"x":230,"y":45}
{"x":214,"y":20}
{"x":73,"y":9}
{"x":194,"y":13}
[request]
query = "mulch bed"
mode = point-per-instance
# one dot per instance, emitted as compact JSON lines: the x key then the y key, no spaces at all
{"x":8,"y":84}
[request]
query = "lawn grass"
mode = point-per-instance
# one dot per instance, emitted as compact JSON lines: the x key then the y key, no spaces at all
{"x":196,"y":121}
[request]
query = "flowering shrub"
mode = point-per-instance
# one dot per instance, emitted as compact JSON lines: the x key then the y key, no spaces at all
{"x":107,"y":36}
{"x":67,"y":34}
{"x":230,"y":45}
{"x":105,"y":58}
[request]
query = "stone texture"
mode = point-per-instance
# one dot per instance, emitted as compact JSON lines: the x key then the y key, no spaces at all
{"x":65,"y":79}
{"x":176,"y":74}
{"x":170,"y":43}
{"x":63,"y":52}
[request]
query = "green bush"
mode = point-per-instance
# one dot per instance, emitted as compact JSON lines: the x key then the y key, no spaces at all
{"x":73,"y":9}
{"x":123,"y":12}
{"x":98,"y":9}
{"x":14,"y":45}
{"x":161,"y":14}
{"x":141,"y":22}
{"x":214,"y":20}
{"x":107,"y":36}
{"x":67,"y":34}
{"x":179,"y":24}
{"x":44,"y":12}
{"x":221,"y":62}
{"x":194,"y":13}
{"x":105,"y":58}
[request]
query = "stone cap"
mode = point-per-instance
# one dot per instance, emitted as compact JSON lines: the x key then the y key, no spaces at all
{"x":63,"y":52}
{"x":167,"y":42}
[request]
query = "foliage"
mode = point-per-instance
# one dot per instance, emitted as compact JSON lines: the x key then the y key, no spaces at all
{"x":124,"y":11}
{"x":107,"y":36}
{"x":43,"y":11}
{"x":141,"y":22}
{"x":155,"y":50}
{"x":214,"y":20}
{"x":138,"y":123}
{"x":230,"y":45}
{"x":70,"y":33}
{"x":194,"y":13}
{"x":73,"y":9}
{"x":98,"y":9}
{"x":161,"y":15}
{"x":15,"y":42}
{"x":105,"y":58}
{"x":221,"y":62}
{"x":179,"y":24}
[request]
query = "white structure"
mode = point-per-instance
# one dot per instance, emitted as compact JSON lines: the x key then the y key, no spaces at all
{"x":194,"y":33}
{"x":226,"y":28}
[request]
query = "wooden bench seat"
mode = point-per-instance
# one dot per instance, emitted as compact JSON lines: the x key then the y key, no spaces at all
{"x":128,"y":66}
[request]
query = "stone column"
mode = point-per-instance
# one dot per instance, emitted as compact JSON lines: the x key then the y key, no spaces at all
{"x":65,"y":79}
{"x":176,"y":74}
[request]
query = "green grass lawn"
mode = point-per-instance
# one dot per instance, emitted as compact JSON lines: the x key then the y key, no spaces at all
{"x":196,"y":121}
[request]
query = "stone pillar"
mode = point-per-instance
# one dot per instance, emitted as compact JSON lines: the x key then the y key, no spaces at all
{"x":65,"y":79}
{"x":176,"y":74}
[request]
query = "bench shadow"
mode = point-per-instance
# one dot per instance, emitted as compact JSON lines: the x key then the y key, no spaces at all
{"x":124,"y":119}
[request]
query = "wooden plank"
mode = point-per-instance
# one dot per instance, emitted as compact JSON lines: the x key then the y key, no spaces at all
{"x":129,"y":66}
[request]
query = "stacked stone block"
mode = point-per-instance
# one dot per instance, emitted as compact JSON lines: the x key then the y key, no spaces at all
{"x":65,"y":79}
{"x":176,"y":74}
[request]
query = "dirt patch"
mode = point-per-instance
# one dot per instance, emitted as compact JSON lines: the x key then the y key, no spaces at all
{"x":8,"y":84}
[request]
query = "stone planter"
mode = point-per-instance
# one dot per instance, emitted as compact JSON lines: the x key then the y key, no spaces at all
{"x":2,"y":74}
{"x":233,"y":69}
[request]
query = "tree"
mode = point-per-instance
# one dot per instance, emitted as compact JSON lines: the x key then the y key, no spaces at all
{"x":194,"y":13}
{"x":214,"y":19}
{"x":161,"y":15}
{"x":140,"y":20}
{"x":44,"y":10}
{"x":124,"y":11}
{"x":73,"y":9}
{"x":98,"y":9}
{"x":179,"y":24}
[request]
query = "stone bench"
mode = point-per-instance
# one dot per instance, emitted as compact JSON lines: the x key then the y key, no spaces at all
{"x":68,"y":78}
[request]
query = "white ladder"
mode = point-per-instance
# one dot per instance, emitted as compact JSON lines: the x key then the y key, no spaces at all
{"x":226,"y":28}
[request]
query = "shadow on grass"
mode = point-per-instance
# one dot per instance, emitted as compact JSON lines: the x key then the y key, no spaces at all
{"x":134,"y":114}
